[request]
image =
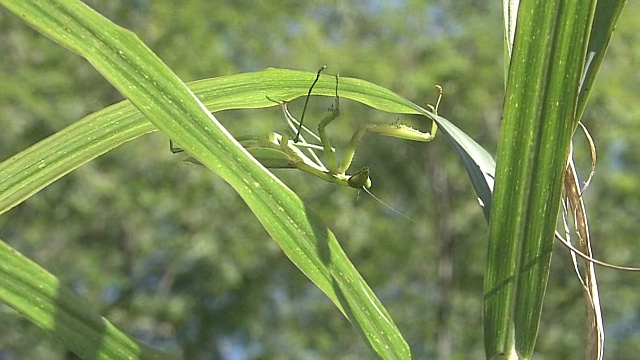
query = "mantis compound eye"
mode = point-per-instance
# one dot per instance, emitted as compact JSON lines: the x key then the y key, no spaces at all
{"x":360,"y":179}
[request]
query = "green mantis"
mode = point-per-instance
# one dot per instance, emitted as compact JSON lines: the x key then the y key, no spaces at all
{"x":279,"y":151}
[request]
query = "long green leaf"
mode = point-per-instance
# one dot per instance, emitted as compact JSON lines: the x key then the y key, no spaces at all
{"x":37,"y":294}
{"x":540,"y":107}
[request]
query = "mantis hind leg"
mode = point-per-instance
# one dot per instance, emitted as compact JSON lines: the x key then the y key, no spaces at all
{"x":178,"y":150}
{"x":174,"y":149}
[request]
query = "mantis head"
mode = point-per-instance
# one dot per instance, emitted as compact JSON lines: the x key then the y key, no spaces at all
{"x":360,"y":179}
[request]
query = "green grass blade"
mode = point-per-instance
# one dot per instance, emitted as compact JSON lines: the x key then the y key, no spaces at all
{"x":539,"y":112}
{"x":604,"y":22}
{"x":35,"y":293}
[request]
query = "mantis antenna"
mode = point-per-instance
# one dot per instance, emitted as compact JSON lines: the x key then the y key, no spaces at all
{"x":387,"y":205}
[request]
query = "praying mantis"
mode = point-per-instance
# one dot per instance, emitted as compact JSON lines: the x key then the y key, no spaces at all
{"x":279,"y":151}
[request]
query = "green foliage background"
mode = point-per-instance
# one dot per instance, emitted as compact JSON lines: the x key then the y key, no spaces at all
{"x":170,"y":253}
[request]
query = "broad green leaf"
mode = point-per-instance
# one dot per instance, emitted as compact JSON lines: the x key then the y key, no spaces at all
{"x":538,"y":123}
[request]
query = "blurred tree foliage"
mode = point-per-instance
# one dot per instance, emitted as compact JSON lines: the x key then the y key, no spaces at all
{"x":170,"y":253}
